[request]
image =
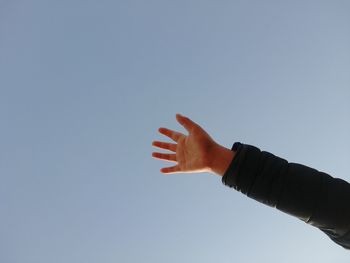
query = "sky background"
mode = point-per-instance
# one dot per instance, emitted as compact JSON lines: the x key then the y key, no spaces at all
{"x":84,"y":86}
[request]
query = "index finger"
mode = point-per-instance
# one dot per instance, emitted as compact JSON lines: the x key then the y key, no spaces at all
{"x":174,"y":135}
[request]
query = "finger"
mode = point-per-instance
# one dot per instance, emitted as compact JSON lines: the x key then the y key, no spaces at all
{"x":165,"y":145}
{"x":171,"y":170}
{"x":165,"y":156}
{"x":186,"y":122}
{"x":175,"y":136}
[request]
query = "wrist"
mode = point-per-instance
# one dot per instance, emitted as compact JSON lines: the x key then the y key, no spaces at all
{"x":221,"y":159}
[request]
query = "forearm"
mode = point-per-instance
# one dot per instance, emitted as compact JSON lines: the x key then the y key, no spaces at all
{"x":312,"y":196}
{"x":221,"y":159}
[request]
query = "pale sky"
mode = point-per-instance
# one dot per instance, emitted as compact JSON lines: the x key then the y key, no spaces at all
{"x":84,"y":86}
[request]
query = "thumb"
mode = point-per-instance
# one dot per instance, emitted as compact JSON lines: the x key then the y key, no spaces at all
{"x":186,"y":122}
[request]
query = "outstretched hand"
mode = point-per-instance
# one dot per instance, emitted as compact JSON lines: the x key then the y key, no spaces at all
{"x":192,"y":153}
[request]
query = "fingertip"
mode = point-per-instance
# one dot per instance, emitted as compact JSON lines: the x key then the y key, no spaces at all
{"x":155,"y":155}
{"x":180,"y":116}
{"x":165,"y":170}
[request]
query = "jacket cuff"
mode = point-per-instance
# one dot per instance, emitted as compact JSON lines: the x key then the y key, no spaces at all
{"x":230,"y":176}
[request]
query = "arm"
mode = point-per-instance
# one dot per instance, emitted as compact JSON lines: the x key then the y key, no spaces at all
{"x":312,"y":196}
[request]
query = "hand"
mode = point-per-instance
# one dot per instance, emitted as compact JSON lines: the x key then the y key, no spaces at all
{"x":193,"y":153}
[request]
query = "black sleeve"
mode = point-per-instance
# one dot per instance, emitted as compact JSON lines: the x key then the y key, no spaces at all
{"x":314,"y":197}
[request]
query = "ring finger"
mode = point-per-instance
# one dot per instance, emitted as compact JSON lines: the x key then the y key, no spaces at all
{"x":165,"y":145}
{"x":165,"y":156}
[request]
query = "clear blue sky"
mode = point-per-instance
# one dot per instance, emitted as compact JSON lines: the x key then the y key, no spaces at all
{"x":84,"y":86}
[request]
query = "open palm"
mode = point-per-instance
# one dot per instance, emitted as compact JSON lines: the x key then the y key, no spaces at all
{"x":192,"y":152}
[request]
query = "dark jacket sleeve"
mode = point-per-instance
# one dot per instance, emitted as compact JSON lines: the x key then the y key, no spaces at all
{"x":314,"y":197}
